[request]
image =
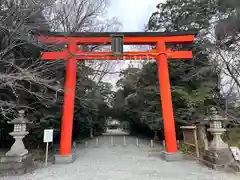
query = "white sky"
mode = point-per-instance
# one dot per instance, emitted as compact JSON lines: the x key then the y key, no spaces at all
{"x":133,"y":14}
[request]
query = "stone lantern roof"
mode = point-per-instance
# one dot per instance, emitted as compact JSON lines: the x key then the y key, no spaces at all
{"x":214,"y":115}
{"x":20,"y":119}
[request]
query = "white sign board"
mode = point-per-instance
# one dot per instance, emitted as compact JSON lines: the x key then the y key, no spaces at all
{"x":48,"y":135}
{"x":236,"y":153}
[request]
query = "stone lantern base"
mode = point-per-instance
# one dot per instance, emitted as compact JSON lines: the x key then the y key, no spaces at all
{"x":16,"y":165}
{"x":220,"y":160}
{"x":14,"y":159}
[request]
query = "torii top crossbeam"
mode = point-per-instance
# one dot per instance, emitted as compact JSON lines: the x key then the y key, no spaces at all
{"x":129,"y":38}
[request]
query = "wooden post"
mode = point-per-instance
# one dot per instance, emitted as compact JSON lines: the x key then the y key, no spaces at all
{"x":203,"y":136}
{"x":196,"y":142}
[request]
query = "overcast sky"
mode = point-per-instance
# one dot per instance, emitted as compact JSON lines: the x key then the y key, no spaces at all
{"x":133,"y":14}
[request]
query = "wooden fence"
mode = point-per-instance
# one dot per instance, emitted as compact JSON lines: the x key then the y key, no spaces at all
{"x":190,"y":140}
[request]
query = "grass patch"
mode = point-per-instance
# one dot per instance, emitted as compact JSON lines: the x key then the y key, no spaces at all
{"x":233,"y":137}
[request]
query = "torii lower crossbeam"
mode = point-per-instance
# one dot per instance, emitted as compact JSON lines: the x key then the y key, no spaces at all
{"x":72,"y":53}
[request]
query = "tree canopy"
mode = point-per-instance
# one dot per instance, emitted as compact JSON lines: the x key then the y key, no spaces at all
{"x":37,"y":86}
{"x":195,"y":84}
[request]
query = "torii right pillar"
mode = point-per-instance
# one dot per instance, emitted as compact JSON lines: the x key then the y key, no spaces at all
{"x":171,"y":153}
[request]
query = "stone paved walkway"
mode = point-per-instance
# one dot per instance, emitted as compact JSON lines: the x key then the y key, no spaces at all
{"x":107,"y":162}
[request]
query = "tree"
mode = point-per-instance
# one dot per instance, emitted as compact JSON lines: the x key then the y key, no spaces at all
{"x":200,"y":78}
{"x":37,"y":86}
{"x":194,"y":82}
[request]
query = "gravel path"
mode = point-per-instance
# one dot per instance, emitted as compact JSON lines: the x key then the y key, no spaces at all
{"x":107,"y":162}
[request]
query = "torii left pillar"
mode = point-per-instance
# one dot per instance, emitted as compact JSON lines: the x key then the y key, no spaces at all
{"x":66,"y":156}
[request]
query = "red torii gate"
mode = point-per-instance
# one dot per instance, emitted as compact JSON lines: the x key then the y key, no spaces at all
{"x":71,"y":54}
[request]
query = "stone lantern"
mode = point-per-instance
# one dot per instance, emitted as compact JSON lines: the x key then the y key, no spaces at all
{"x":218,"y":155}
{"x":17,"y":160}
{"x":216,"y":129}
{"x":18,"y":151}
